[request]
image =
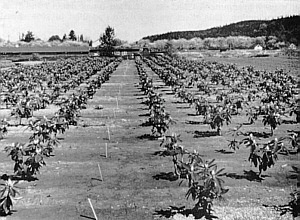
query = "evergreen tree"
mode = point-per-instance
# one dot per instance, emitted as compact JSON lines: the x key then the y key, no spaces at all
{"x":107,"y":39}
{"x":72,"y":35}
{"x":28,"y":37}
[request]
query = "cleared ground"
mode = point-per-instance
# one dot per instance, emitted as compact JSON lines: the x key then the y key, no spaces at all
{"x":135,"y":181}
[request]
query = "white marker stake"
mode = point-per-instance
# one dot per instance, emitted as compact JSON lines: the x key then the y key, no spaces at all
{"x":117,"y":102}
{"x":108,"y":133}
{"x":93,"y":209}
{"x":100,"y":172}
{"x":106,"y":150}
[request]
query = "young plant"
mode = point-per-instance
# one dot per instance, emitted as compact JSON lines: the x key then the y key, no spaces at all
{"x":263,"y":157}
{"x":174,"y":149}
{"x":204,"y":180}
{"x":272,"y":119}
{"x":160,"y":121}
{"x":234,"y":144}
{"x":23,"y":109}
{"x":44,"y":131}
{"x":3,"y":128}
{"x":7,"y":195}
{"x":293,"y":207}
{"x":28,"y":158}
{"x":252,"y":114}
{"x":295,"y":109}
{"x":294,"y":139}
{"x":205,"y":184}
{"x":217,"y":118}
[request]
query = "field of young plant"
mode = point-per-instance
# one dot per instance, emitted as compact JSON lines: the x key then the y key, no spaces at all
{"x":151,"y":138}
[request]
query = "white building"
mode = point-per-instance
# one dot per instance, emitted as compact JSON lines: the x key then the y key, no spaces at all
{"x":258,"y":47}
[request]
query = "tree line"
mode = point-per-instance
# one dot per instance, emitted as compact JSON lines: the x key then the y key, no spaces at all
{"x":29,"y":36}
{"x":286,"y":29}
{"x":231,"y":42}
{"x":107,"y":39}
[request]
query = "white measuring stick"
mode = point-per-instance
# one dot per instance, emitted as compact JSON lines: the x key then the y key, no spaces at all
{"x":93,"y":209}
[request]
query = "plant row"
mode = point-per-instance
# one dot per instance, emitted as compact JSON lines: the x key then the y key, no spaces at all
{"x":204,"y":180}
{"x":30,"y":157}
{"x":276,"y":99}
{"x":27,"y":89}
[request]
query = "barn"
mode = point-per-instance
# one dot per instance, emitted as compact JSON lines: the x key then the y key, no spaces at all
{"x":44,"y":50}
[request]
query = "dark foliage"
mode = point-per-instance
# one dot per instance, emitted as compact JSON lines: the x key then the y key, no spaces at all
{"x":286,"y":29}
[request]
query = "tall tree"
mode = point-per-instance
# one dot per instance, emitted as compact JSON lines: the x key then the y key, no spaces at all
{"x":107,"y":39}
{"x":64,"y":37}
{"x":54,"y":38}
{"x":81,"y":38}
{"x":28,"y":37}
{"x":72,"y":35}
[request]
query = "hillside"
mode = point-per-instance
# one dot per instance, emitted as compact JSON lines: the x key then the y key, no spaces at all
{"x":285,"y":29}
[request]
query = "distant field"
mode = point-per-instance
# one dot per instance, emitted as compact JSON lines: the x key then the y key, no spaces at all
{"x":242,"y":58}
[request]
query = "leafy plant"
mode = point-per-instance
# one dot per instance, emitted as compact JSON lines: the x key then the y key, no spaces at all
{"x":272,"y":119}
{"x":252,"y":115}
{"x":23,"y":109}
{"x":234,"y":144}
{"x":293,"y":207}
{"x":174,"y":149}
{"x":204,"y":179}
{"x":217,"y":117}
{"x":7,"y":195}
{"x":206,"y":186}
{"x":160,"y":121}
{"x":3,"y":128}
{"x":295,"y":109}
{"x":294,"y":139}
{"x":264,"y":157}
{"x":28,"y":158}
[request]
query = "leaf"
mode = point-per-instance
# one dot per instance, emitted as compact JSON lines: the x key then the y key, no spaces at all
{"x":220,"y":171}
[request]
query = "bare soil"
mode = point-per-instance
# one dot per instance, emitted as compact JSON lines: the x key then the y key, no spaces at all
{"x":137,"y":183}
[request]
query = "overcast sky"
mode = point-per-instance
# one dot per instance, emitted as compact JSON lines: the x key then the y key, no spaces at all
{"x":132,"y":19}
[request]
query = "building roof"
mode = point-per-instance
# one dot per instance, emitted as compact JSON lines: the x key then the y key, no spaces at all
{"x":58,"y":49}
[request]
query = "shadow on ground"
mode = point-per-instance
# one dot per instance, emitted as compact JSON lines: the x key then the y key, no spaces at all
{"x":173,"y":210}
{"x":248,"y":175}
{"x":222,"y":151}
{"x":166,"y":176}
{"x":258,"y":134}
{"x":147,"y":137}
{"x":194,"y":122}
{"x":201,"y":134}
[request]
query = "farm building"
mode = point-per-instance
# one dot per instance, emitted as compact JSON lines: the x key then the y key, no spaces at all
{"x":126,"y":52}
{"x":258,"y":48}
{"x":292,"y":47}
{"x":118,"y":52}
{"x":43,"y":50}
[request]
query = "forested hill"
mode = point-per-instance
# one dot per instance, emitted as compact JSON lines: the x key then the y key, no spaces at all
{"x":285,"y":29}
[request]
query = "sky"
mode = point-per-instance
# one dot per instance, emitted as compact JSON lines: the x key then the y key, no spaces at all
{"x":131,"y":19}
